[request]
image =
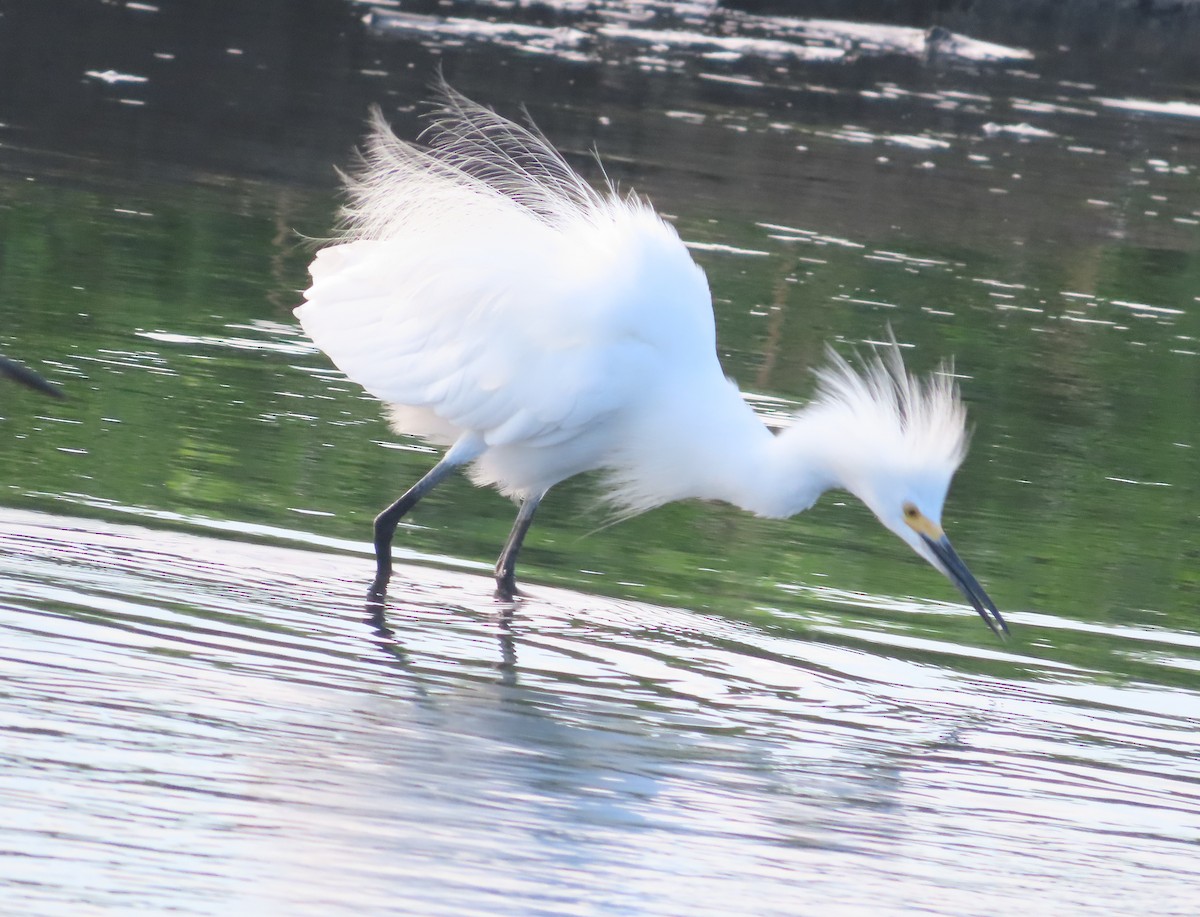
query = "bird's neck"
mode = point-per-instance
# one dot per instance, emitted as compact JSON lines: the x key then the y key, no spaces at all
{"x":790,"y":469}
{"x":727,"y":453}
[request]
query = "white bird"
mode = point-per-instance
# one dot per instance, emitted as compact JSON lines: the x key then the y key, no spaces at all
{"x":540,"y":328}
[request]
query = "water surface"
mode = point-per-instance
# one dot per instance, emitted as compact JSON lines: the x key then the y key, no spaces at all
{"x":695,"y":711}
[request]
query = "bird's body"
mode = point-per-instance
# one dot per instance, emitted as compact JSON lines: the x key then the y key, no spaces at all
{"x":539,"y":328}
{"x":538,"y":353}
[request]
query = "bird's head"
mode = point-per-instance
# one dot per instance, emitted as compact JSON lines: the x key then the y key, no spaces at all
{"x":895,"y":443}
{"x":914,"y":513}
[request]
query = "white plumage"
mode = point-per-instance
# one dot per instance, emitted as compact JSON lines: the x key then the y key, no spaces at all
{"x":501,"y":306}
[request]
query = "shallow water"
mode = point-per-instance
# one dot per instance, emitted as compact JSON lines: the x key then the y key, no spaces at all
{"x":224,"y":725}
{"x":695,"y":711}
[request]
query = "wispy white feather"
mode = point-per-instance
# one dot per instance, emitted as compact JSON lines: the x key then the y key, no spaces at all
{"x":910,"y":420}
{"x":471,"y":160}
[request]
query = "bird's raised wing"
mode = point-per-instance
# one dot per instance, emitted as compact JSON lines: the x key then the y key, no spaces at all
{"x":485,"y":283}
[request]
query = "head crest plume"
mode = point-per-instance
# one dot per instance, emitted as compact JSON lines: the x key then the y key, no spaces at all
{"x":918,"y":422}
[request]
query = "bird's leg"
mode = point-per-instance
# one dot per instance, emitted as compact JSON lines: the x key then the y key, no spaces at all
{"x":506,"y":566}
{"x":386,"y":522}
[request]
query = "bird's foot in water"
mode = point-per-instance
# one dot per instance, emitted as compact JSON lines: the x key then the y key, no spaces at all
{"x":506,"y":588}
{"x":377,"y":595}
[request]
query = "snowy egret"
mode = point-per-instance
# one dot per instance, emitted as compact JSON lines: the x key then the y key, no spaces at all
{"x":26,"y":376}
{"x":540,"y":328}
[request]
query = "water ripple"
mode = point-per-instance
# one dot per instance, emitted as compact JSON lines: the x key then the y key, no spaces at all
{"x":221,"y":718}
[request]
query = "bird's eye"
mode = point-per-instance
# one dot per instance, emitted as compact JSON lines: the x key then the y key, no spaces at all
{"x":910,"y":511}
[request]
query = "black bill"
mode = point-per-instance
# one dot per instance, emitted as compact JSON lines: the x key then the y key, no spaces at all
{"x":967,"y":584}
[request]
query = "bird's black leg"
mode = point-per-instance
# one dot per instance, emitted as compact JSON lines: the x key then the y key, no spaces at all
{"x":506,"y":566}
{"x":386,"y":522}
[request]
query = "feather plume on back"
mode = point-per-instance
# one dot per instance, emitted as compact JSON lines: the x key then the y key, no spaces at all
{"x":473,"y":160}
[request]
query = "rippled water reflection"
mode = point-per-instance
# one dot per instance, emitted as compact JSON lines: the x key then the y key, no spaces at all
{"x":238,"y":727}
{"x":695,"y":712}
